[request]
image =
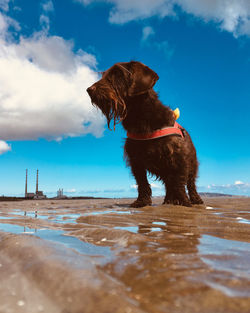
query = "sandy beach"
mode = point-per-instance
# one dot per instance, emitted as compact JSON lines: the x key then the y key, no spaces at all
{"x":102,"y":256}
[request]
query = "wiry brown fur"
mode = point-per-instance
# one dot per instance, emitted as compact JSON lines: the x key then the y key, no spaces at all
{"x":125,"y":94}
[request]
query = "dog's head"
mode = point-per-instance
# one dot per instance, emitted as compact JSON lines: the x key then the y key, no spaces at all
{"x":122,"y":80}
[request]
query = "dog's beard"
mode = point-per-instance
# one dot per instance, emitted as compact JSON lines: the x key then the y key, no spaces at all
{"x":113,"y":108}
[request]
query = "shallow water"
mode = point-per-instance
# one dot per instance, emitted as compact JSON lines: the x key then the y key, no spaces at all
{"x":60,"y":237}
{"x":243,"y":220}
{"x":163,"y":258}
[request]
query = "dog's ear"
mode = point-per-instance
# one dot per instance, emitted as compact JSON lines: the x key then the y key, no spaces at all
{"x":143,"y":78}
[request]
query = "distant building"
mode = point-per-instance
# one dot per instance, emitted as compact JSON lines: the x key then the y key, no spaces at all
{"x":38,"y":194}
{"x":26,"y":185}
{"x":60,"y":194}
{"x":30,"y":195}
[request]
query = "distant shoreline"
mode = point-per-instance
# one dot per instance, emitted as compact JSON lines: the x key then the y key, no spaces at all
{"x":203,"y":194}
{"x":3,"y":198}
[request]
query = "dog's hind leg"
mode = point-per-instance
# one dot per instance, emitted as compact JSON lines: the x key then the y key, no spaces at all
{"x":191,"y":186}
{"x":144,"y":189}
{"x":169,"y":192}
{"x":193,"y":194}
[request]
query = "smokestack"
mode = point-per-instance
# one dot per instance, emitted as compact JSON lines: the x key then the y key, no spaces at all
{"x":26,"y":184}
{"x":37,"y":182}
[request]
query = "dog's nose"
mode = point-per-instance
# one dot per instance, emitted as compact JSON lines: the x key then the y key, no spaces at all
{"x":91,"y":89}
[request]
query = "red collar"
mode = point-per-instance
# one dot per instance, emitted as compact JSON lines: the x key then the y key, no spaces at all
{"x":175,"y":130}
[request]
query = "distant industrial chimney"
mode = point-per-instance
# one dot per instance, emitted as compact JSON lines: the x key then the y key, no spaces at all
{"x":37,"y":182}
{"x":26,"y":184}
{"x":31,"y":195}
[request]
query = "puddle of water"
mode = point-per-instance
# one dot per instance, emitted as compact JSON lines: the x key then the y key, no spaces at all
{"x":160,"y":223}
{"x":64,"y":218}
{"x":230,"y":292}
{"x":243,"y":220}
{"x":238,"y":262}
{"x":155,"y":229}
{"x":51,"y":216}
{"x":239,"y":219}
{"x":6,"y":218}
{"x":135,"y":229}
{"x":231,"y":259}
{"x":209,"y":208}
{"x":58,"y":236}
{"x":132,"y":229}
{"x":106,"y":212}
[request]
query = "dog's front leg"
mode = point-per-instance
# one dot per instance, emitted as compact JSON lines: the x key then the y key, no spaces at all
{"x":175,"y":190}
{"x":144,"y":189}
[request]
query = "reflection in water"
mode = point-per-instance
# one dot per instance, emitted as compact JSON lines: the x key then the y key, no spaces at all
{"x":151,"y":226}
{"x":58,"y":236}
{"x":65,"y":217}
{"x":243,"y":220}
{"x":51,"y":234}
{"x":214,"y":251}
{"x":155,"y":268}
{"x":159,"y":223}
{"x":230,"y":257}
{"x":132,"y":229}
{"x":107,"y":212}
{"x":177,"y":259}
{"x":52,"y":216}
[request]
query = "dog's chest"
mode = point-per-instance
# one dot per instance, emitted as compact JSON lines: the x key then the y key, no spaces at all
{"x":150,"y":152}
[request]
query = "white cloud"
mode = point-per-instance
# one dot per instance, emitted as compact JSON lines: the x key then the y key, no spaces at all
{"x":147,"y":31}
{"x":155,"y":186}
{"x":162,"y":46}
{"x":237,"y":188}
{"x":238,"y":182}
{"x":53,"y":54}
{"x":48,"y":6}
{"x":73,"y":190}
{"x":4,"y":147}
{"x":44,"y":22}
{"x":4,"y":5}
{"x":124,"y":11}
{"x":231,"y":15}
{"x":5,"y":23}
{"x":43,"y":90}
{"x":134,"y":187}
{"x":128,"y":10}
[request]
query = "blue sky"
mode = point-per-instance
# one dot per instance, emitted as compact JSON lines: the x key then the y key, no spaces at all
{"x":52,"y":50}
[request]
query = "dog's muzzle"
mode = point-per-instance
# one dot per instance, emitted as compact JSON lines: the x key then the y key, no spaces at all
{"x":91,"y":90}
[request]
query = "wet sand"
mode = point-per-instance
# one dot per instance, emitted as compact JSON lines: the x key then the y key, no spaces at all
{"x":102,"y":256}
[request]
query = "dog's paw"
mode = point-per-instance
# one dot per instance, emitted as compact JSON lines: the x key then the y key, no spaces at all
{"x":178,"y":202}
{"x":168,"y":201}
{"x":196,"y":200}
{"x":139,"y":203}
{"x":182,"y":202}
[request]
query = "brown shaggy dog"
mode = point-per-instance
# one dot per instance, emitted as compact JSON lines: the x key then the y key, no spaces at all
{"x":124,"y":93}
